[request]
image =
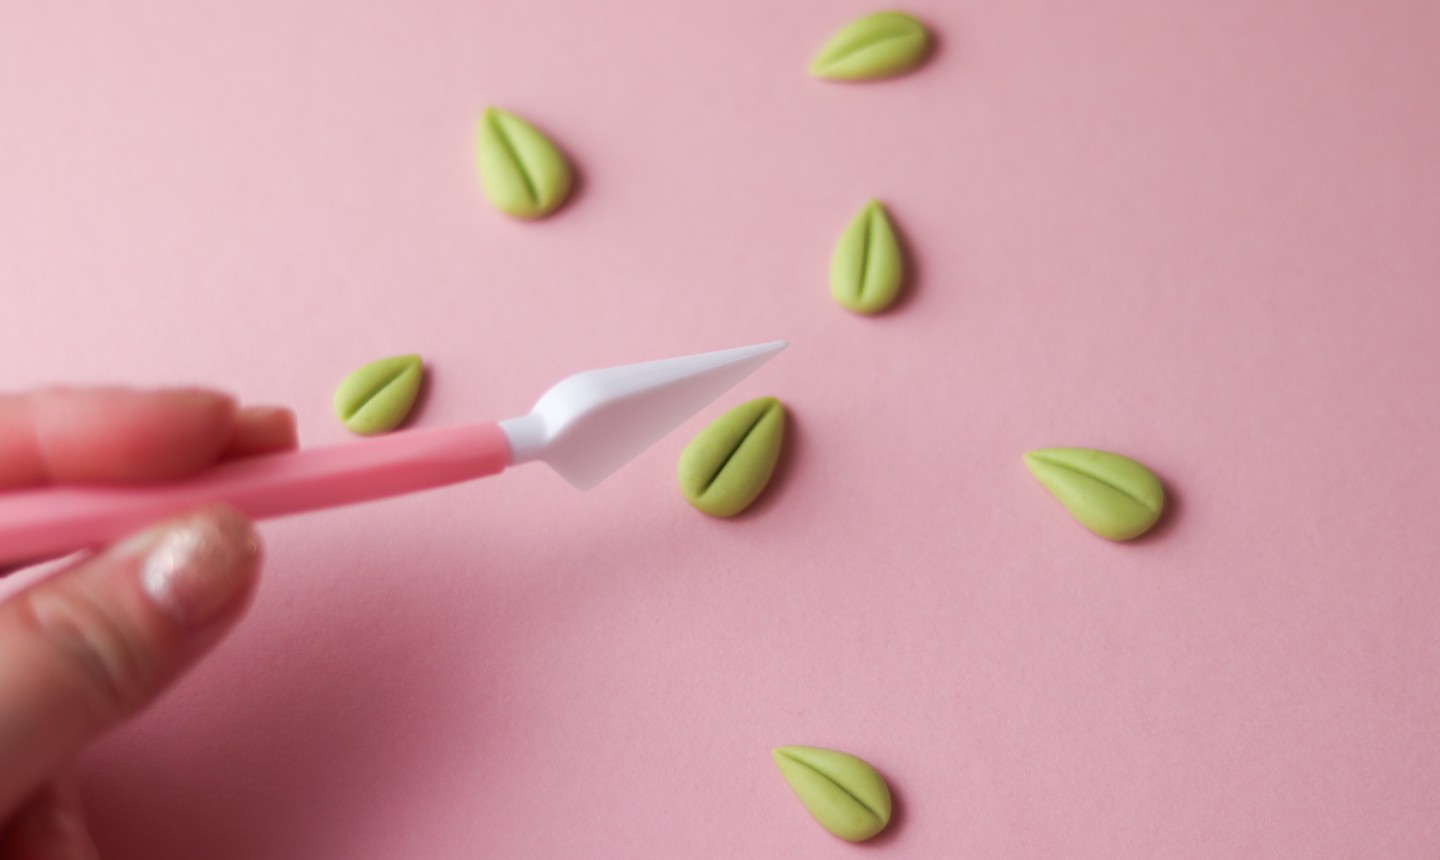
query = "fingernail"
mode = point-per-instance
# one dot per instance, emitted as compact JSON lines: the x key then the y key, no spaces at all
{"x":198,"y":566}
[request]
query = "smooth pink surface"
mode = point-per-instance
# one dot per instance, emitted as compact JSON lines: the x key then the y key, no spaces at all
{"x":1200,"y":234}
{"x":56,"y":520}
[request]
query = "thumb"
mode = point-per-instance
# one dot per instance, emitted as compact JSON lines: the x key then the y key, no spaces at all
{"x":87,"y":648}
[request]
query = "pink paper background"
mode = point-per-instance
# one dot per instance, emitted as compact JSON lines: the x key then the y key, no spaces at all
{"x":1203,"y":234}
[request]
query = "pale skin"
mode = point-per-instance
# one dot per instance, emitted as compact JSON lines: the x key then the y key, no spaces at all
{"x":89,"y":647}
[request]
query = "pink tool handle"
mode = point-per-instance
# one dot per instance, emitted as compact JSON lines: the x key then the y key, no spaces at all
{"x":35,"y":524}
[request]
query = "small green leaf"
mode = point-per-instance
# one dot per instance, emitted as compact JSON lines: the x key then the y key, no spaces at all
{"x":1112,"y":496}
{"x":876,"y":46}
{"x":378,"y":396}
{"x":867,"y":268}
{"x":524,"y":175}
{"x":840,"y":791}
{"x":727,"y":465}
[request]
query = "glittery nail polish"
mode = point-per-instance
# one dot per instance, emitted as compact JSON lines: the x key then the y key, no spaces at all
{"x":199,"y":565}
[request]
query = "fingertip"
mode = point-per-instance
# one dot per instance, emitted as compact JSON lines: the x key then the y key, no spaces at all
{"x":261,"y":430}
{"x":200,"y":569}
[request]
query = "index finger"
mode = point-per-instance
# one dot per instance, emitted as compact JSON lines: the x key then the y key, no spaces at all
{"x":117,"y":435}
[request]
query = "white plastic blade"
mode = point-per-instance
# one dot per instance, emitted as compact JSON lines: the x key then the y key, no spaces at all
{"x":589,"y":425}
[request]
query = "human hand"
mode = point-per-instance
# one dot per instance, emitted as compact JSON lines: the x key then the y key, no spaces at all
{"x":90,"y":646}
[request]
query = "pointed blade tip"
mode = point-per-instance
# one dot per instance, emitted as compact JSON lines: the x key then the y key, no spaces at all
{"x":584,"y":479}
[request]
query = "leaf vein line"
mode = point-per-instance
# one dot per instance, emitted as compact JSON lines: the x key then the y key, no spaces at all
{"x":520,"y":168}
{"x":865,"y":239}
{"x":862,"y":47}
{"x":1099,"y":480}
{"x":840,"y":785}
{"x":377,"y":390}
{"x":733,"y":451}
